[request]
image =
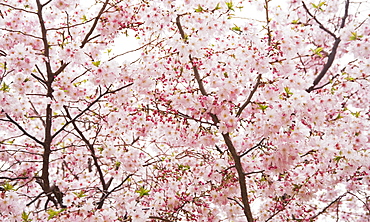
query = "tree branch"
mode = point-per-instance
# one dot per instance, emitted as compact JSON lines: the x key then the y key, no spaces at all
{"x":100,"y":203}
{"x":241,"y":175}
{"x":23,"y":130}
{"x":86,"y":40}
{"x":178,"y":23}
{"x":268,"y":22}
{"x":325,"y":208}
{"x":159,"y":218}
{"x":250,"y":96}
{"x":88,"y":107}
{"x":321,"y":26}
{"x":14,"y":178}
{"x":226,"y":136}
{"x":334,"y":49}
{"x":254,"y":147}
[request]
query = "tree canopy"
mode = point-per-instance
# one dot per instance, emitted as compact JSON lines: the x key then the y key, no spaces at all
{"x":225,"y":111}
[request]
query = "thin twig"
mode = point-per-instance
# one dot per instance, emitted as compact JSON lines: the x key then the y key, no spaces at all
{"x":14,"y":178}
{"x":331,"y":203}
{"x":250,"y":96}
{"x":334,"y":49}
{"x":88,"y":107}
{"x":23,"y":130}
{"x":87,"y":37}
{"x":254,"y":147}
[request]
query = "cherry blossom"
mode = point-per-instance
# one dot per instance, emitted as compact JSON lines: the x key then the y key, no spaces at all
{"x":220,"y":114}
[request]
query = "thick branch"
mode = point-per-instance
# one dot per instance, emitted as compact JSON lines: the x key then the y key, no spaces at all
{"x":229,"y":144}
{"x":178,"y":23}
{"x":197,"y":77}
{"x":194,"y":67}
{"x":43,"y":28}
{"x":241,"y":175}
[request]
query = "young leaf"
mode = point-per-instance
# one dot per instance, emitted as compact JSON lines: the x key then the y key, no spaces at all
{"x":4,"y":87}
{"x":80,"y":194}
{"x":295,"y":21}
{"x":236,"y":28}
{"x":262,"y":107}
{"x":84,"y":19}
{"x":8,"y":186}
{"x":53,"y":213}
{"x":199,"y":9}
{"x":338,"y":158}
{"x":287,"y":91}
{"x":318,"y":51}
{"x":354,"y":36}
{"x":25,"y":217}
{"x":142,"y":192}
{"x":217,"y":7}
{"x":230,"y":5}
{"x":97,"y":63}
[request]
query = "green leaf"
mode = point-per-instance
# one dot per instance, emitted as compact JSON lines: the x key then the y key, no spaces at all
{"x":318,"y":51}
{"x":97,"y":63}
{"x":236,"y":28}
{"x":117,"y":165}
{"x":142,"y":192}
{"x":287,"y":91}
{"x":8,"y":186}
{"x":80,"y":194}
{"x":295,"y":21}
{"x":355,"y":36}
{"x":199,"y":9}
{"x":230,"y":5}
{"x":338,"y":158}
{"x":184,"y":167}
{"x":356,"y":114}
{"x":217,"y":7}
{"x":25,"y":217}
{"x":338,"y":117}
{"x":296,"y":187}
{"x":84,"y":19}
{"x":4,"y":87}
{"x":350,"y":78}
{"x":262,"y":107}
{"x":319,"y":6}
{"x":52,"y":213}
